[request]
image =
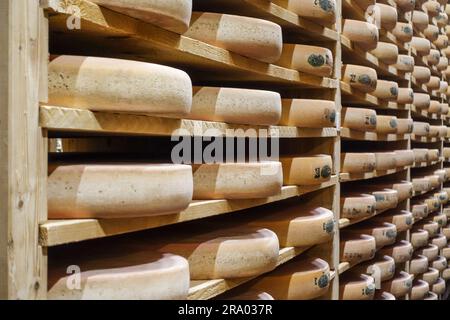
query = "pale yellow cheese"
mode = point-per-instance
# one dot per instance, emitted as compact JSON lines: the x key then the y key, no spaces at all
{"x":403,"y":31}
{"x":442,"y":196}
{"x":434,"y":83}
{"x":400,"y":285}
{"x":384,"y":264}
{"x":357,"y":162}
{"x":383,"y":295}
{"x":250,"y":37}
{"x":421,"y":100}
{"x":419,"y":238}
{"x":356,"y":287}
{"x":441,"y":19}
{"x":443,"y":86}
{"x":404,"y":190}
{"x":433,"y":154}
{"x":386,"y":124}
{"x":442,"y":131}
{"x":418,"y":265}
{"x":442,"y":177}
{"x":444,"y":107}
{"x":421,"y":74}
{"x":429,"y":226}
{"x":404,"y":125}
{"x":446,"y":252}
{"x":385,"y":161}
{"x":309,"y":59}
{"x":402,"y":219}
{"x":446,"y":232}
{"x":431,"y":32}
{"x":446,"y":52}
{"x":440,"y":263}
{"x":434,"y":131}
{"x":404,"y":63}
{"x":118,"y":190}
{"x":419,"y":290}
{"x":440,"y":240}
{"x":435,"y":181}
{"x":421,"y":45}
{"x":440,"y":219}
{"x":443,"y":63}
{"x":420,"y":154}
{"x":431,"y":296}
{"x":357,"y":206}
{"x":405,"y":95}
{"x":419,"y":20}
{"x":439,"y":286}
{"x":361,"y":32}
{"x":384,"y":233}
{"x":446,"y":152}
{"x":441,"y":41}
{"x":386,"y":52}
{"x":360,"y":119}
{"x":356,"y":248}
{"x":308,"y":113}
{"x":405,"y":5}
{"x":386,"y":90}
{"x":310,"y":170}
{"x":384,"y":16}
{"x":404,"y":158}
{"x":401,"y":251}
{"x":421,"y":184}
{"x":323,"y":11}
{"x":446,"y":274}
{"x":433,"y":57}
{"x":430,"y":251}
{"x":360,"y":77}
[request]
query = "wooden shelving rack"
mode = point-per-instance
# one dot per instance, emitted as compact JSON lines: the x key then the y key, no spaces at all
{"x":30,"y":128}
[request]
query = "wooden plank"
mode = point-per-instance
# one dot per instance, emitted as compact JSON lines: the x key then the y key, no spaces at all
{"x":56,"y":232}
{"x":415,"y":138}
{"x":371,"y":136}
{"x":77,"y":120}
{"x":23,"y":35}
{"x":426,"y":164}
{"x":345,"y":176}
{"x":352,"y":96}
{"x":421,"y":113}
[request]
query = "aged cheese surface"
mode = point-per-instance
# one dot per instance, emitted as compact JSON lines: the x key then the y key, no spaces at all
{"x":401,"y":251}
{"x":385,"y":161}
{"x":402,"y":219}
{"x":386,"y":124}
{"x":384,"y":233}
{"x":431,"y":276}
{"x":104,"y":84}
{"x":237,"y":180}
{"x":384,"y":16}
{"x":324,"y":10}
{"x":419,"y":238}
{"x":433,"y":57}
{"x":421,"y":45}
{"x":386,"y":52}
{"x":360,"y":77}
{"x":418,"y":264}
{"x":420,"y":154}
{"x":440,"y":263}
{"x":386,"y":90}
{"x":403,"y":31}
{"x":310,"y":170}
{"x":404,"y":158}
{"x":405,"y":5}
{"x":250,"y":37}
{"x":446,"y":274}
{"x":419,"y":20}
{"x":421,"y":129}
{"x":385,"y":264}
{"x":441,"y":42}
{"x":419,"y":289}
{"x":360,"y":119}
{"x":421,"y":100}
{"x":430,"y":251}
{"x":309,"y":59}
{"x":308,"y":113}
{"x":361,"y":32}
{"x":404,"y":125}
{"x":434,"y":83}
{"x":232,"y":105}
{"x":400,"y":285}
{"x":118,"y":191}
{"x":404,"y":63}
{"x":431,"y":32}
{"x":421,"y":74}
{"x":173,"y":15}
{"x":405,"y":95}
{"x":353,"y":286}
{"x":440,"y":241}
{"x":356,"y":248}
{"x":439,"y":286}
{"x":357,"y":162}
{"x":355,"y":206}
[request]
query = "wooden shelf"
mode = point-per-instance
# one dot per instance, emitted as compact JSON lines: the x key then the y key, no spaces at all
{"x":344,"y":176}
{"x":418,"y":194}
{"x":422,"y":61}
{"x":386,"y":36}
{"x":352,"y":96}
{"x":421,"y":113}
{"x":105,"y":32}
{"x":344,"y":222}
{"x":426,"y":164}
{"x":415,"y":138}
{"x":423,"y":89}
{"x":57,"y":232}
{"x":84,"y":121}
{"x":350,"y":134}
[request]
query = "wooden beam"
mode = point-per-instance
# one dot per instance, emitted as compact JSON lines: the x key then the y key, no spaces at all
{"x":23,"y":73}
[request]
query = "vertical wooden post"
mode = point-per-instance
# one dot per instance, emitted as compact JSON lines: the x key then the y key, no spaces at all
{"x":23,"y":153}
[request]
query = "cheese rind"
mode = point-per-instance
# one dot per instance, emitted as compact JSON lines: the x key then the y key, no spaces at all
{"x":402,"y":220}
{"x":356,"y":248}
{"x":419,"y":238}
{"x":384,"y":16}
{"x":431,"y":251}
{"x":405,"y":95}
{"x":386,"y":52}
{"x":384,"y":264}
{"x":431,"y":276}
{"x":419,"y":20}
{"x":317,"y":10}
{"x":431,"y":32}
{"x":309,"y":59}
{"x":421,"y":100}
{"x":439,"y":286}
{"x":386,"y":124}
{"x":421,"y":45}
{"x":418,"y":265}
{"x":311,"y":170}
{"x":440,"y":241}
{"x":434,"y":83}
{"x":385,"y":161}
{"x":308,"y":113}
{"x":440,"y":263}
{"x":433,"y":57}
{"x":421,"y":74}
{"x":404,"y":158}
{"x":357,"y":206}
{"x":360,"y":119}
{"x":360,"y":77}
{"x":386,"y":90}
{"x":405,"y":125}
{"x":404,"y":63}
{"x":361,"y":32}
{"x":403,"y":31}
{"x":401,"y":251}
{"x":384,"y":233}
{"x":441,"y":41}
{"x":421,"y":129}
{"x":356,"y":287}
{"x":419,"y":290}
{"x":400,"y":285}
{"x":357,"y":162}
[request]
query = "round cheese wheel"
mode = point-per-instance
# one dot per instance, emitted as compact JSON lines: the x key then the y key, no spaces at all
{"x":103,"y":84}
{"x":385,"y":161}
{"x":419,"y":290}
{"x":383,"y":295}
{"x":418,"y":264}
{"x":432,"y":203}
{"x":440,"y":263}
{"x":446,"y":274}
{"x":402,"y":219}
{"x":446,"y":52}
{"x":442,"y":64}
{"x":421,"y":74}
{"x":324,"y":10}
{"x":446,"y":232}
{"x":446,"y":72}
{"x":421,"y":129}
{"x":419,"y":210}
{"x":307,"y":170}
{"x":384,"y":16}
{"x":442,"y":196}
{"x":309,"y":59}
{"x":443,"y":86}
{"x":419,"y":20}
{"x":404,"y":158}
{"x":384,"y":233}
{"x":405,"y":5}
{"x":421,"y":45}
{"x":419,"y":238}
{"x":386,"y":52}
{"x":361,"y":32}
{"x":447,"y":30}
{"x":431,"y":7}
{"x":237,"y":180}
{"x":163,"y":277}
{"x":442,"y":177}
{"x":173,"y":15}
{"x":308,"y":113}
{"x":299,"y":227}
{"x":441,"y":219}
{"x":431,"y":32}
{"x":435,"y":107}
{"x":405,"y":95}
{"x":441,"y":19}
{"x":434,"y":179}
{"x":401,"y":251}
{"x":403,"y":31}
{"x":385,"y":265}
{"x":431,"y":296}
{"x":433,"y":57}
{"x":446,"y":211}
{"x":404,"y":63}
{"x":118,"y":191}
{"x":420,"y":154}
{"x":386,"y":90}
{"x":404,"y":190}
{"x":233,"y":105}
{"x":442,"y":131}
{"x":434,"y":83}
{"x":446,"y":252}
{"x":441,"y":41}
{"x":360,"y":119}
{"x":439,"y":286}
{"x":404,"y":125}
{"x":250,"y":37}
{"x":421,"y":184}
{"x":446,"y":152}
{"x":444,"y":110}
{"x":301,"y":279}
{"x":400,"y":285}
{"x":356,"y":248}
{"x":360,"y":77}
{"x":430,"y":251}
{"x":356,"y":287}
{"x":434,"y":132}
{"x":433,"y":154}
{"x":431,"y":227}
{"x":386,"y":124}
{"x":357,"y":206}
{"x":440,"y":241}
{"x":421,"y":100}
{"x":357,"y":162}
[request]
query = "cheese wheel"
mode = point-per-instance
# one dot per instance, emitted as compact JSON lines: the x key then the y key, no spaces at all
{"x":439,"y":286}
{"x":441,"y":41}
{"x":444,"y":110}
{"x":418,"y":265}
{"x":446,"y":72}
{"x":386,"y":90}
{"x":404,"y":158}
{"x":356,"y":287}
{"x":421,"y":184}
{"x":297,"y":227}
{"x":163,"y":277}
{"x":357,"y":206}
{"x":421,"y":74}
{"x":429,"y":226}
{"x":403,"y":31}
{"x":309,"y":59}
{"x":242,"y":106}
{"x":421,"y":100}
{"x":442,"y":196}
{"x":385,"y":265}
{"x":431,"y":32}
{"x":386,"y":52}
{"x":419,"y":290}
{"x":446,"y":274}
{"x":431,"y":276}
{"x":440,"y":263}
{"x":401,"y":251}
{"x":360,"y":119}
{"x":361,"y":32}
{"x":446,"y":233}
{"x":431,"y":7}
{"x":173,"y":15}
{"x":356,"y":248}
{"x":446,"y":152}
{"x":440,"y":219}
{"x":434,"y":83}
{"x":442,"y":177}
{"x":433,"y":154}
{"x":443,"y":86}
{"x":442,"y":132}
{"x":317,"y":10}
{"x":307,"y":170}
{"x":237,"y":180}
{"x":400,"y":285}
{"x":421,"y":129}
{"x":405,"y":125}
{"x":434,"y":132}
{"x":433,"y":57}
{"x":384,"y":233}
{"x":386,"y":124}
{"x":441,"y":19}
{"x":432,"y":203}
{"x":384,"y":16}
{"x":447,"y":30}
{"x":419,"y":238}
{"x":357,"y":162}
{"x":103,"y":84}
{"x":360,"y":77}
{"x":300,"y":279}
{"x":308,"y":113}
{"x":404,"y":63}
{"x":383,"y":295}
{"x":446,"y":210}
{"x":405,"y":95}
{"x":405,"y":5}
{"x":118,"y":191}
{"x":431,"y":296}
{"x":440,"y":241}
{"x":419,"y":20}
{"x":419,"y":210}
{"x":430,"y":251}
{"x":404,"y":190}
{"x":421,"y":45}
{"x":446,"y":52}
{"x":385,"y":161}
{"x":420,"y":154}
{"x":446,"y":252}
{"x":435,"y":107}
{"x":435,"y":181}
{"x":402,"y":220}
{"x":442,"y":64}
